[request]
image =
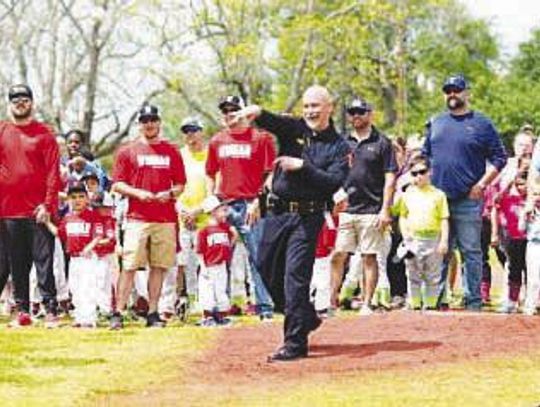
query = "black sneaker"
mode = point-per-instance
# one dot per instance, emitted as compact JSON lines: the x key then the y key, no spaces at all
{"x":117,"y":321}
{"x":154,"y":321}
{"x":285,"y":354}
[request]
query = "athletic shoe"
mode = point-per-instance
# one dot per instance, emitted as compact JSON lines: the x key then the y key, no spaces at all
{"x":207,"y":322}
{"x":266,"y":317}
{"x":365,"y":310}
{"x":117,"y":321}
{"x":251,"y":309}
{"x":154,"y":321}
{"x":397,"y":302}
{"x":356,"y":303}
{"x":224,"y":321}
{"x":51,"y":321}
{"x":529,"y":311}
{"x":508,"y":307}
{"x":23,"y":319}
{"x":235,"y":310}
{"x":140,"y":307}
{"x":166,"y":316}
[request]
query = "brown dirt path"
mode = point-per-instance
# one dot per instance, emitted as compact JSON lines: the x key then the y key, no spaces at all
{"x":341,"y":347}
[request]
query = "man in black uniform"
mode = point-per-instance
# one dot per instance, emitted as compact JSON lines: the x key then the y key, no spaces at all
{"x":312,"y":164}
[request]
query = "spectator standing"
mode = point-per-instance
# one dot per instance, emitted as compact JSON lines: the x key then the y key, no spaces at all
{"x":149,"y":171}
{"x":243,"y":157}
{"x":370,"y":188}
{"x":29,"y":187}
{"x":471,"y":136}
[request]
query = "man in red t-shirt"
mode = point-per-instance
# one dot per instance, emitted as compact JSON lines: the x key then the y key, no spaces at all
{"x":243,"y":156}
{"x":29,"y":187}
{"x":150,"y":173}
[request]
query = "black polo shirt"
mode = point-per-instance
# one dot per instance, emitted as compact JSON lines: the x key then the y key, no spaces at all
{"x":372,"y":158}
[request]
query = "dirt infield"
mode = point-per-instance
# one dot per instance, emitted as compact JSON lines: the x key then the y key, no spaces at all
{"x":347,"y":345}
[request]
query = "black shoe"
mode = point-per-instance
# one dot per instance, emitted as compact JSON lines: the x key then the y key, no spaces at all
{"x":154,"y":321}
{"x":285,"y":354}
{"x":117,"y":321}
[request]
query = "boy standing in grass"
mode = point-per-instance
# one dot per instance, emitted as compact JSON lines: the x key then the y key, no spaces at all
{"x":423,"y":212}
{"x":214,"y":246}
{"x":78,"y":231}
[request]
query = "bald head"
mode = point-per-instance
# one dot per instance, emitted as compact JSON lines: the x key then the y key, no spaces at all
{"x":317,"y":107}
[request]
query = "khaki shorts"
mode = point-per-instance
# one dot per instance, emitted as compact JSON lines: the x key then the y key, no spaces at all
{"x":152,"y":244}
{"x":358,"y":233}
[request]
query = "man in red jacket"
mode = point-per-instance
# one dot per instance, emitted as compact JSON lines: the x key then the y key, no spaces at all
{"x":29,"y":187}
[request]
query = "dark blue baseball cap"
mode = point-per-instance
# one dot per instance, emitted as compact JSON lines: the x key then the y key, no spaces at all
{"x":455,"y":82}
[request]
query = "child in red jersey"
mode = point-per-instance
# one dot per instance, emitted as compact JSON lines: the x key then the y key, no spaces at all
{"x":78,"y":230}
{"x":214,"y":246}
{"x":104,"y":250}
{"x":506,"y":212}
{"x":320,"y":281}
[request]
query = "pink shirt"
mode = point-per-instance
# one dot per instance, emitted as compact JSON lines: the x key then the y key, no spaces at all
{"x":510,"y":207}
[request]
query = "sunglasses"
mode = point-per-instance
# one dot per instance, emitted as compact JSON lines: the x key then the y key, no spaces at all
{"x":357,"y":111}
{"x":227,"y":110}
{"x":20,"y":99}
{"x":190,"y":130}
{"x":423,"y":171}
{"x":151,"y":119}
{"x":452,"y":90}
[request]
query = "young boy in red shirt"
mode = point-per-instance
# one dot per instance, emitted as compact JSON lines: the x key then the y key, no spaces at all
{"x":105,"y":250}
{"x":214,"y":246}
{"x":78,"y":231}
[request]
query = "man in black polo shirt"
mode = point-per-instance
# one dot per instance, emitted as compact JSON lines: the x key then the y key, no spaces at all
{"x":370,"y":188}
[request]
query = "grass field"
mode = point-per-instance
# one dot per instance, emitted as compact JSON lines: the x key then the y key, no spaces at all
{"x":69,"y":367}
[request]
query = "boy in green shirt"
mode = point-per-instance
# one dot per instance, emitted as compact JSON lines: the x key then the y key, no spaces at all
{"x":423,"y":212}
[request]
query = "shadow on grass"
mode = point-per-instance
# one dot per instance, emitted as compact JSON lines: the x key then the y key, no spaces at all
{"x":359,"y":350}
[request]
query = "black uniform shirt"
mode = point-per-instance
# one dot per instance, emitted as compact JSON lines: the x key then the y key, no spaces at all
{"x":372,"y":158}
{"x":326,"y":159}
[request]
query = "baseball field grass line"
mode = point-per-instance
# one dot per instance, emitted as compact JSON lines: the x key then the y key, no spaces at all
{"x":497,"y":382}
{"x":68,"y":367}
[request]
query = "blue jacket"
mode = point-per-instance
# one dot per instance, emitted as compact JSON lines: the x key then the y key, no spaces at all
{"x":459,"y":148}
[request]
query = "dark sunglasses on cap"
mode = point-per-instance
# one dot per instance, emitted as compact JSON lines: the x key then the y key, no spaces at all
{"x":20,"y":99}
{"x":452,"y":89}
{"x":149,"y":119}
{"x":190,"y":129}
{"x":357,"y":111}
{"x":423,"y":171}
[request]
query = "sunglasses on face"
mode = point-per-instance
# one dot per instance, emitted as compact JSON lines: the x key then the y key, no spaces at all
{"x":227,"y":110}
{"x":145,"y":120}
{"x":357,"y":111}
{"x":20,"y":99}
{"x":452,"y":90}
{"x":419,"y":172}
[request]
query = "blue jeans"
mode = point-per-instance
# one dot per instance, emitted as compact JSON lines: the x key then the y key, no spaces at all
{"x":465,"y":234}
{"x":251,"y":238}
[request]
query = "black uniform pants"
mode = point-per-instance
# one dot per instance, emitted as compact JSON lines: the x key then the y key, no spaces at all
{"x":285,"y":261}
{"x":4,"y":260}
{"x":28,"y":242}
{"x":397,"y":277}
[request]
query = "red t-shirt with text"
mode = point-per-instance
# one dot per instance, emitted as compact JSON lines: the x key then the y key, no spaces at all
{"x":77,"y":230}
{"x":214,"y":243}
{"x":153,"y":167}
{"x":242,"y":157}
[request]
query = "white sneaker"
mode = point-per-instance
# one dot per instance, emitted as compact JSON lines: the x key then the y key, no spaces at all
{"x":365,"y":310}
{"x":529,"y":311}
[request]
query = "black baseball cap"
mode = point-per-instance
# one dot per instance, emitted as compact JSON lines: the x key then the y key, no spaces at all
{"x":76,"y":187}
{"x":233,"y":101}
{"x":149,"y":112}
{"x":20,"y":90}
{"x":456,"y":82}
{"x":359,"y":104}
{"x":89,"y":174}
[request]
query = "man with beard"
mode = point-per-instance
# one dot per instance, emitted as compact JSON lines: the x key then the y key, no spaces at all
{"x":29,"y":187}
{"x":313,"y":163}
{"x":459,"y":142}
{"x":370,"y":188}
{"x":150,"y":172}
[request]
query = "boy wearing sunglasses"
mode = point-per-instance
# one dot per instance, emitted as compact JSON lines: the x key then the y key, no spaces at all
{"x":423,"y":212}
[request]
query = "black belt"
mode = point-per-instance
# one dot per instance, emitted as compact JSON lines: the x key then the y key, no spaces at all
{"x":279,"y":205}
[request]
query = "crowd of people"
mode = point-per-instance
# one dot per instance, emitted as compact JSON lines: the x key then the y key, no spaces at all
{"x":273,"y":214}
